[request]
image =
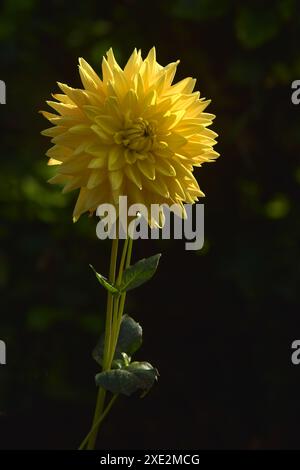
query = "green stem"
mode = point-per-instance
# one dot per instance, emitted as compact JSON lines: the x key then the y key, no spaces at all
{"x":107,"y":341}
{"x":98,"y":422}
{"x":123,"y":258}
{"x":110,"y":300}
{"x":115,"y":308}
{"x":129,"y":252}
{"x":119,"y":306}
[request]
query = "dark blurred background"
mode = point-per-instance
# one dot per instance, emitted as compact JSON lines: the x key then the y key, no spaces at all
{"x":218,"y":323}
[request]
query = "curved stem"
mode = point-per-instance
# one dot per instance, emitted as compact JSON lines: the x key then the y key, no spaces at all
{"x":110,"y":300}
{"x":107,"y":341}
{"x":115,"y":308}
{"x":98,"y":422}
{"x":119,"y":306}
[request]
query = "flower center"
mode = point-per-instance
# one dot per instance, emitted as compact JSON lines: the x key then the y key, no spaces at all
{"x":138,"y":135}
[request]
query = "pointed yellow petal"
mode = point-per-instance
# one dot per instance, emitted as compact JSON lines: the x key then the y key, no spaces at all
{"x":116,"y":179}
{"x":147,"y":168}
{"x":106,"y":71}
{"x":116,"y":158}
{"x":134,"y":175}
{"x":96,"y":178}
{"x":164,"y":167}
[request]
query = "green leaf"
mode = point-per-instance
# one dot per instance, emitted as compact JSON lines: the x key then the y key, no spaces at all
{"x":104,"y":282}
{"x":136,"y":376}
{"x":139,"y":273}
{"x":129,"y":341}
{"x":130,"y":336}
{"x":146,"y":373}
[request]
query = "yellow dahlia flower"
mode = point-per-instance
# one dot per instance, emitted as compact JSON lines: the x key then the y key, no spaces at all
{"x":133,"y":134}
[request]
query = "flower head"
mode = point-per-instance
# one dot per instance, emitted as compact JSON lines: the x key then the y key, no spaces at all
{"x":133,"y":133}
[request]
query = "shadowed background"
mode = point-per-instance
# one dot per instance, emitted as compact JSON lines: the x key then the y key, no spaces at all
{"x":218,"y":323}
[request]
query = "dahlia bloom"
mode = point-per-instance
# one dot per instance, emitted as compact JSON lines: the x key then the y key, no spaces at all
{"x":133,"y":133}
